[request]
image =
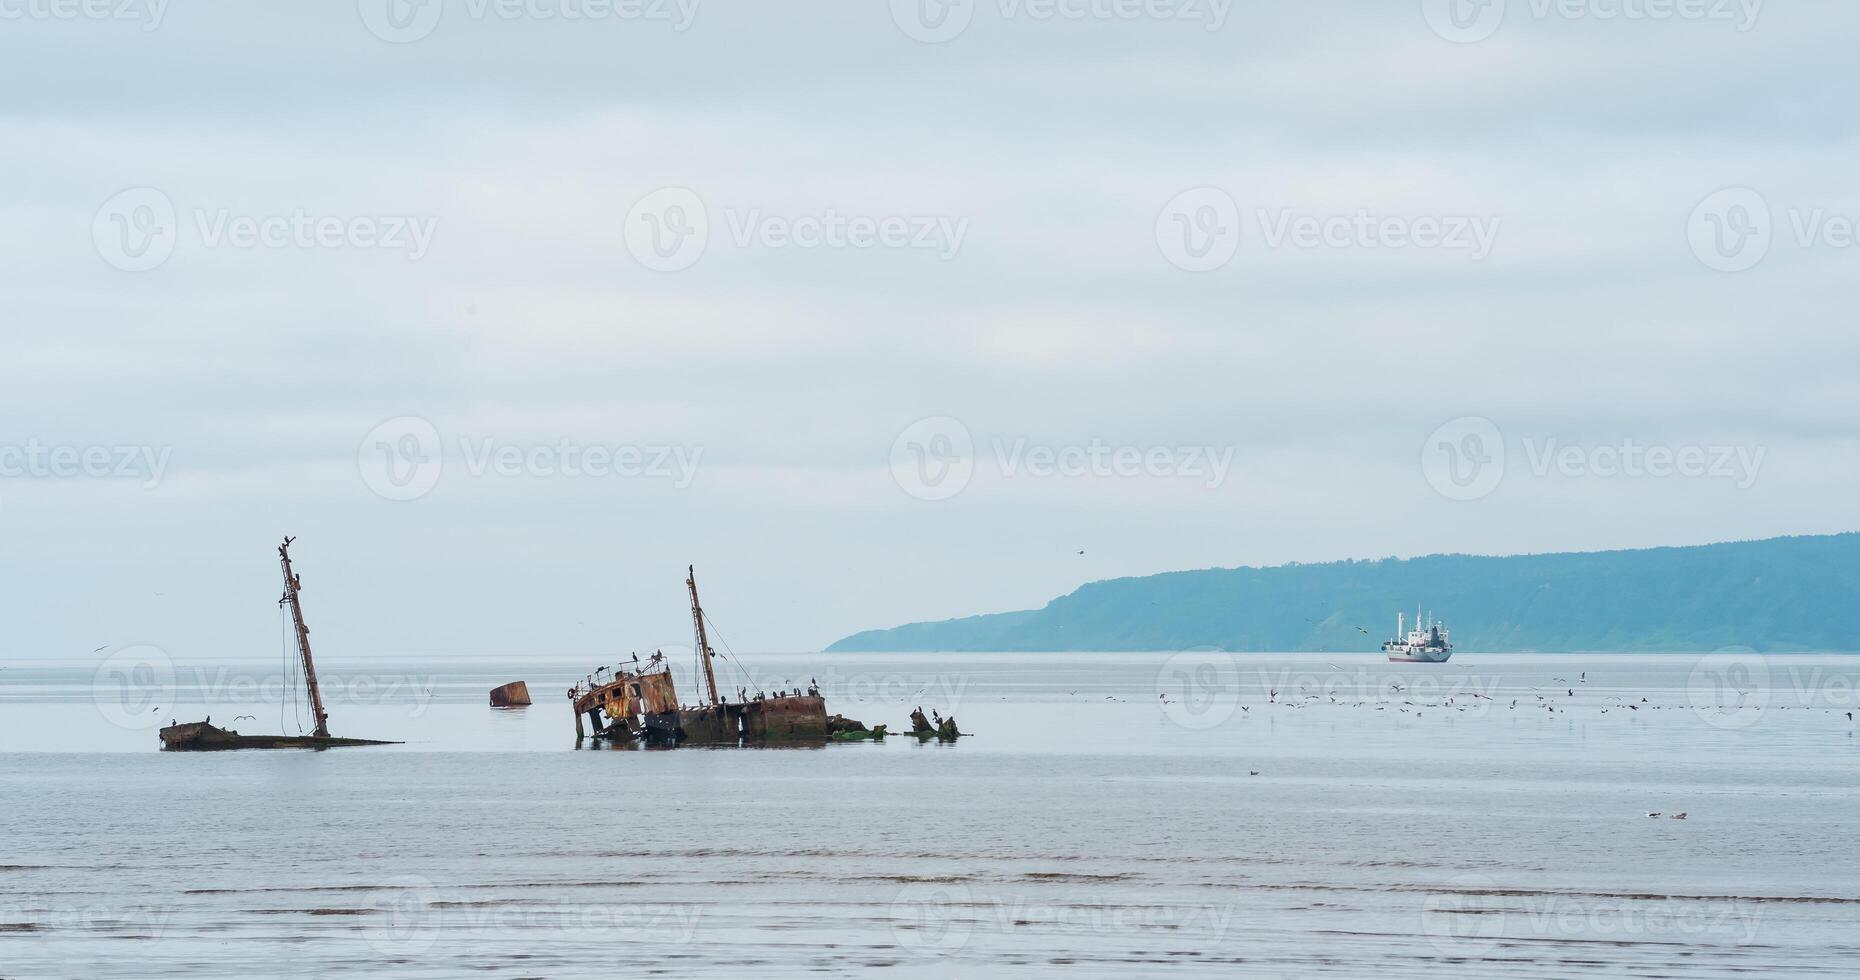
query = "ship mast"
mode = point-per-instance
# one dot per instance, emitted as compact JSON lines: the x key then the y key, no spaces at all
{"x":293,"y":585}
{"x":703,"y":640}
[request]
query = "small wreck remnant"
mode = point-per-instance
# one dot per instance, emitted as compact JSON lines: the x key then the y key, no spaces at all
{"x":515,"y":694}
{"x":843,"y":729}
{"x":944,"y":729}
{"x":202,"y":736}
{"x":638,"y":701}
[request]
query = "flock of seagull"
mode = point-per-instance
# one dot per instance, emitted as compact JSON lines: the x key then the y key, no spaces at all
{"x":1550,"y":704}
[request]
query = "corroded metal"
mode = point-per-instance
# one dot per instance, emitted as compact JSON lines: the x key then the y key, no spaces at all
{"x":704,"y":652}
{"x":512,"y":695}
{"x":293,"y":585}
{"x":635,"y":701}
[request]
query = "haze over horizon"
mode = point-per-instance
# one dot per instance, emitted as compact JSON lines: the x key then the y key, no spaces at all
{"x":1576,"y":365}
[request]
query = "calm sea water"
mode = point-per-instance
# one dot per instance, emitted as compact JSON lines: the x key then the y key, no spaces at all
{"x":1112,"y":816}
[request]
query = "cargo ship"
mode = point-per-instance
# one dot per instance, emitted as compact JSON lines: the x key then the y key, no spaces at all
{"x":637,"y":702}
{"x":1427,"y":643}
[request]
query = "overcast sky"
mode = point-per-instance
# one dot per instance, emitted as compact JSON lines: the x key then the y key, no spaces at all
{"x":885,"y":312}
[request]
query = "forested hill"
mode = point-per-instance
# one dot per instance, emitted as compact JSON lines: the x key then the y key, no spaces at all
{"x":1797,"y":593}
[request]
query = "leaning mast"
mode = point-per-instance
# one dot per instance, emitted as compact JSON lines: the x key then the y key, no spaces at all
{"x":292,"y":585}
{"x":703,"y":640}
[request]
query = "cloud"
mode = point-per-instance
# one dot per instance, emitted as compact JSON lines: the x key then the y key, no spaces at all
{"x":1058,"y":320}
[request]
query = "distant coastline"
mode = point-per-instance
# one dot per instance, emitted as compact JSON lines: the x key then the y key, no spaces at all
{"x":1791,"y":594}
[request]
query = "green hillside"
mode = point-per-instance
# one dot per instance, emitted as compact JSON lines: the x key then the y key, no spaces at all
{"x":1798,"y":593}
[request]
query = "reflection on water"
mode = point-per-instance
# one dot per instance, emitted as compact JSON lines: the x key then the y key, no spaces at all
{"x":1113,"y":815}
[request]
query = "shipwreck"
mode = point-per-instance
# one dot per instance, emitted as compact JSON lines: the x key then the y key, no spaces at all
{"x":203,"y":736}
{"x":638,"y":702}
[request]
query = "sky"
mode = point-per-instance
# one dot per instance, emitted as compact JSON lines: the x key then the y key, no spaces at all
{"x":888,"y":311}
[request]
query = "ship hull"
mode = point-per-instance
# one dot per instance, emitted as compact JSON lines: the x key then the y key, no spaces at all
{"x":202,"y":737}
{"x":791,"y":718}
{"x":1419,"y":656}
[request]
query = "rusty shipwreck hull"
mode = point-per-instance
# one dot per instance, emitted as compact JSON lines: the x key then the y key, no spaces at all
{"x":792,"y":718}
{"x":644,"y":707}
{"x":638,"y":702}
{"x":202,"y":737}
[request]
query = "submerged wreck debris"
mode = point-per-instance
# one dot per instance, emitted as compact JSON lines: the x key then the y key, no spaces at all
{"x":202,"y":736}
{"x":843,"y":729}
{"x":515,"y":694}
{"x":637,"y":701}
{"x":944,"y":730}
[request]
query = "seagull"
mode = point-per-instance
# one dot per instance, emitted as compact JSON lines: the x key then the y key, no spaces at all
{"x":1363,"y":631}
{"x":1252,"y":772}
{"x":1681,"y":815}
{"x":100,"y":649}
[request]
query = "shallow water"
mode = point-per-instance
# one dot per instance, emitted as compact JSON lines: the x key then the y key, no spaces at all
{"x":1089,"y":825}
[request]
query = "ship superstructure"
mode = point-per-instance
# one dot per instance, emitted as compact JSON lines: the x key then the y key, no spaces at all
{"x":1426,"y":643}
